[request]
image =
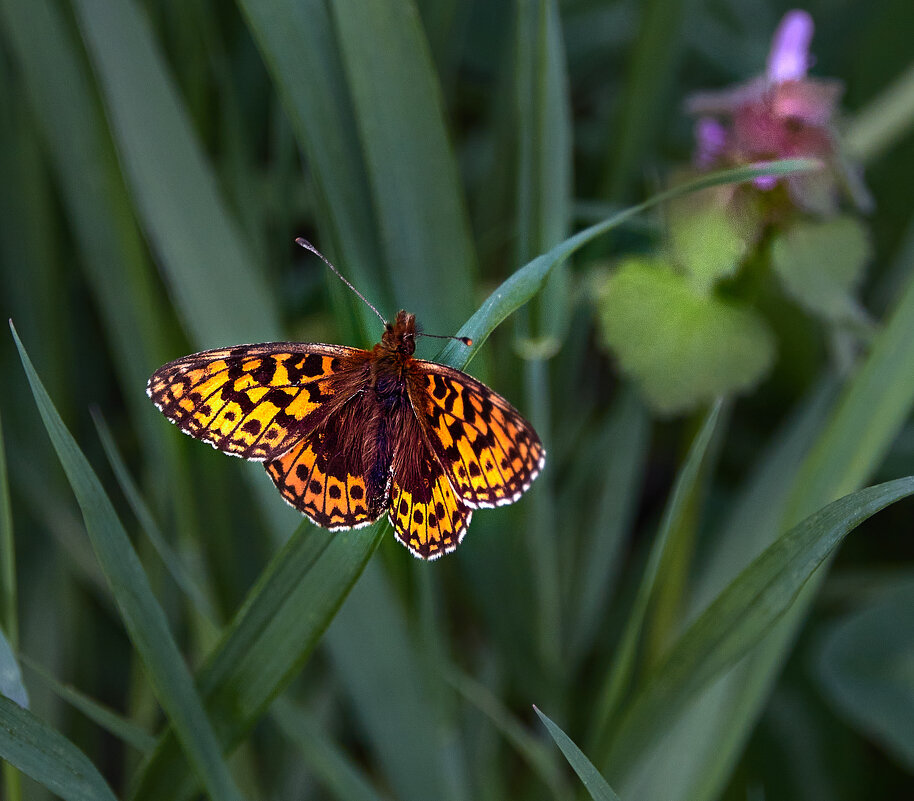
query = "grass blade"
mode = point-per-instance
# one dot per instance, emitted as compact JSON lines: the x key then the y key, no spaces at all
{"x":414,"y":183}
{"x":681,"y":498}
{"x":596,"y":785}
{"x":48,"y":757}
{"x":173,"y":187}
{"x":11,"y":685}
{"x":738,"y":619}
{"x":342,"y":778}
{"x":143,"y":617}
{"x":98,"y":713}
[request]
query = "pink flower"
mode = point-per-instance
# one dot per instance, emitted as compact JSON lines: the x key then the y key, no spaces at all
{"x":781,"y":114}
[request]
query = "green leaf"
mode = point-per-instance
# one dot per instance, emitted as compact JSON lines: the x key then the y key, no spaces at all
{"x":681,"y":347}
{"x":866,"y":669}
{"x":682,"y":497}
{"x":143,"y":617}
{"x":884,"y":120}
{"x":340,"y":775}
{"x":596,"y":785}
{"x":11,"y":685}
{"x":531,"y":749}
{"x":710,"y":233}
{"x":529,"y":279}
{"x":8,"y":601}
{"x":413,"y":176}
{"x":98,"y":713}
{"x":173,"y":186}
{"x":48,"y":757}
{"x":391,"y":693}
{"x":738,"y":619}
{"x":298,"y":41}
{"x":821,"y":264}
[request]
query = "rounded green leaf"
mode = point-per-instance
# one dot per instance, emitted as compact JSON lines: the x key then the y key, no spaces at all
{"x":820,"y":265}
{"x":682,"y":347}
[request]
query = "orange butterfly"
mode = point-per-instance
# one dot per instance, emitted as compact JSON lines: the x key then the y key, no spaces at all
{"x":348,"y":434}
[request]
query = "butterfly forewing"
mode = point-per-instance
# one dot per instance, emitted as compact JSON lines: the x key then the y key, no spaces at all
{"x":254,"y":401}
{"x":490,"y":453}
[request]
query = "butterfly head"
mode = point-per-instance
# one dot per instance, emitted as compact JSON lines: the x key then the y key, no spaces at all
{"x":400,"y":335}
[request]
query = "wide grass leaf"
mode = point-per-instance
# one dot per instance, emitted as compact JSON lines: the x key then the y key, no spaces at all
{"x":172,"y":184}
{"x":866,"y":669}
{"x":596,"y":785}
{"x":48,"y":757}
{"x":143,"y":617}
{"x":411,"y":168}
{"x":739,"y":618}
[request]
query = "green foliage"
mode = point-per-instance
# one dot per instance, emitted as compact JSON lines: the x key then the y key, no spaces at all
{"x":182,"y":631}
{"x":681,"y":347}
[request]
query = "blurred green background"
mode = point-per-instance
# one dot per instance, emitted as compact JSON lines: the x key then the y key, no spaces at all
{"x":157,"y":160}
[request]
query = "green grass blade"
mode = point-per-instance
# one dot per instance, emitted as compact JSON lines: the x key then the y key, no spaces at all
{"x":48,"y":757}
{"x":683,"y":495}
{"x":530,"y":279}
{"x":173,"y":187}
{"x":528,"y":747}
{"x":414,"y":182}
{"x":100,"y":714}
{"x":883,"y":121}
{"x":391,"y":695}
{"x":144,"y":515}
{"x":11,"y":685}
{"x":738,"y":619}
{"x":596,"y":785}
{"x":297,"y":42}
{"x":8,"y":602}
{"x":266,"y":644}
{"x":143,"y":617}
{"x":622,"y":445}
{"x":341,"y":777}
{"x":864,"y":668}
{"x":9,"y":606}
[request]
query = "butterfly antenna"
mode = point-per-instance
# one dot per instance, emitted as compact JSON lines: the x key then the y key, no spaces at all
{"x":465,"y":340}
{"x":308,"y":246}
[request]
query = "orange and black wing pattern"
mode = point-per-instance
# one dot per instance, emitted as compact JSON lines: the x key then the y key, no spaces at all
{"x":490,"y":453}
{"x":428,"y":518}
{"x":255,"y":401}
{"x":327,"y":477}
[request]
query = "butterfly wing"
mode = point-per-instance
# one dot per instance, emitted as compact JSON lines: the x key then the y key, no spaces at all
{"x":490,"y":453}
{"x":335,"y":475}
{"x":256,"y":401}
{"x":428,"y":518}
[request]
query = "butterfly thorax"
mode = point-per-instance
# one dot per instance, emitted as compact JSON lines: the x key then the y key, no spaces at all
{"x":391,"y":357}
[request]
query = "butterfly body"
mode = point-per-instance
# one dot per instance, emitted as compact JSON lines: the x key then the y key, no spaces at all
{"x":348,"y":434}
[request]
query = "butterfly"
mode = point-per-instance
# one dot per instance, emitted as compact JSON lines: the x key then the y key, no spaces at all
{"x":348,"y":435}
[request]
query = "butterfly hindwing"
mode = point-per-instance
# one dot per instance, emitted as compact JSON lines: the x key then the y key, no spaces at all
{"x":253,"y":401}
{"x":490,"y":453}
{"x":427,"y":516}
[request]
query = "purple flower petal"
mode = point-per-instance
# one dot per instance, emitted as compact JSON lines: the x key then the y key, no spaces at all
{"x":789,"y":56}
{"x":710,"y":141}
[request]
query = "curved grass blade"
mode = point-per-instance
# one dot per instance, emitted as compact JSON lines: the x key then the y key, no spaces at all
{"x":173,"y":187}
{"x":681,"y":498}
{"x":98,"y":713}
{"x":596,"y":785}
{"x":266,"y":644}
{"x":48,"y":757}
{"x":529,"y":279}
{"x":143,"y":617}
{"x":739,"y":618}
{"x":11,"y":685}
{"x":528,"y":747}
